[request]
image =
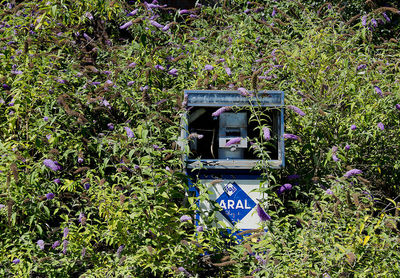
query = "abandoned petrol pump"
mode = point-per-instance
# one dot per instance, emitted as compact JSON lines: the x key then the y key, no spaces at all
{"x":223,"y":167}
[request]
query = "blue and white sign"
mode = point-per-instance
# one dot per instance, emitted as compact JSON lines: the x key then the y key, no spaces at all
{"x":237,"y":199}
{"x":235,"y":203}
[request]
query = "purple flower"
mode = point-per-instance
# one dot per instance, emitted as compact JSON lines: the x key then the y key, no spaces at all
{"x":233,"y":141}
{"x":273,"y":12}
{"x":244,"y":92}
{"x":55,"y":244}
{"x":132,"y":13}
{"x":267,"y":133}
{"x":126,"y":25}
{"x":183,"y":270}
{"x":397,"y":106}
{"x":2,"y":206}
{"x":49,"y":196}
{"x":159,"y":67}
{"x":262,"y":214}
{"x":46,"y":119}
{"x":378,"y":91}
{"x":132,"y":65}
{"x":352,"y":173}
{"x":16,"y":72}
{"x":374,"y":22}
{"x":86,"y":36}
{"x":285,"y":187}
{"x":335,"y":158}
{"x":296,"y":109}
{"x":260,"y":260}
{"x":173,"y":72}
{"x":156,"y":147}
{"x":66,"y":232}
{"x":89,"y":16}
{"x":40,"y":243}
{"x":347,"y":147}
{"x":291,"y":136}
{"x":166,"y":27}
{"x":129,"y":132}
{"x":130,"y":83}
{"x":329,"y":192}
{"x":185,"y":218}
{"x":381,"y":126}
{"x":16,"y":261}
{"x":199,"y":228}
{"x":144,"y":88}
{"x":361,"y":66}
{"x":87,"y":186}
{"x":156,"y":24}
{"x":51,"y":164}
{"x":57,"y":181}
{"x":154,"y":6}
{"x":184,"y":12}
{"x":161,"y":101}
{"x":6,"y":87}
{"x":81,"y":216}
{"x":110,"y":126}
{"x":119,"y":250}
{"x":386,"y":17}
{"x":228,"y":71}
{"x":208,"y":67}
{"x":195,"y":135}
{"x":65,"y":244}
{"x":220,"y":111}
{"x":353,"y":127}
{"x":80,"y":160}
{"x":364,"y":20}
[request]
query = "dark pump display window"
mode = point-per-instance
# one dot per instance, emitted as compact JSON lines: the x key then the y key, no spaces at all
{"x":201,"y":122}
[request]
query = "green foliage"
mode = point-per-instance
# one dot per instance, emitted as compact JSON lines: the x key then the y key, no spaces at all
{"x":105,"y":102}
{"x":340,"y":233}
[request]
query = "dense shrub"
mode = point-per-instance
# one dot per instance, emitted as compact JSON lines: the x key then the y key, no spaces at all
{"x":91,"y":176}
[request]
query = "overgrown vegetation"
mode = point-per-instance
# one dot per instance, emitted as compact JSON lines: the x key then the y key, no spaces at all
{"x":91,"y":177}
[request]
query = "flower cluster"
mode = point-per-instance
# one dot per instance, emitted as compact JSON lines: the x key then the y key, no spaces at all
{"x":262,"y":214}
{"x":334,"y":157}
{"x":296,"y":109}
{"x":233,"y":141}
{"x":285,"y":187}
{"x":352,"y":172}
{"x":53,"y":165}
{"x":291,"y":136}
{"x":220,"y":111}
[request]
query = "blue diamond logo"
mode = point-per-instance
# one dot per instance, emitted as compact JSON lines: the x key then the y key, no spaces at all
{"x":235,"y":203}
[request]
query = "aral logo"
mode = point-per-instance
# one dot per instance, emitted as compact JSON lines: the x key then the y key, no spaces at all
{"x":235,"y":203}
{"x":229,"y":189}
